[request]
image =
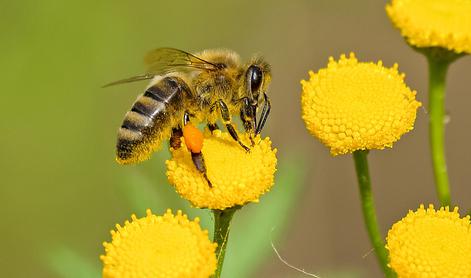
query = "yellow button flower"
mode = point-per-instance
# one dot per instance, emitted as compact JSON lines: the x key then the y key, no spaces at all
{"x":353,"y":106}
{"x":159,"y":246}
{"x":433,"y":23}
{"x":431,"y":243}
{"x":237,"y":176}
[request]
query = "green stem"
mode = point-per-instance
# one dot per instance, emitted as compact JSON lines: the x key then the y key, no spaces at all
{"x":437,"y":77}
{"x":369,"y":214}
{"x":222,"y":221}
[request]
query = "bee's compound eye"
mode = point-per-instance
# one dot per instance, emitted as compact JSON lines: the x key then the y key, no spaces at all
{"x":255,"y":78}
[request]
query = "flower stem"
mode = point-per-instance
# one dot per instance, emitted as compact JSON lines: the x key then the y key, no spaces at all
{"x":222,"y":221}
{"x":437,"y":77}
{"x":369,"y":214}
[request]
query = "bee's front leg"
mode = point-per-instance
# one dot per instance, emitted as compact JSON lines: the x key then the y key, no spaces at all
{"x":264,"y":115}
{"x":248,"y":115}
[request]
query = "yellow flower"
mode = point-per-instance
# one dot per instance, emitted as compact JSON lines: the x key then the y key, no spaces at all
{"x":353,"y":106}
{"x":431,"y":243}
{"x":159,"y":246}
{"x":237,"y":176}
{"x":433,"y":23}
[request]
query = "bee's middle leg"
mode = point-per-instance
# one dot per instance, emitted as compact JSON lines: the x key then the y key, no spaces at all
{"x":226,"y":117}
{"x":212,"y":127}
{"x":196,"y":156}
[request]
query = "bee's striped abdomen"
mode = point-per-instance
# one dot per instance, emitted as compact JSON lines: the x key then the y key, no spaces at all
{"x":150,"y":120}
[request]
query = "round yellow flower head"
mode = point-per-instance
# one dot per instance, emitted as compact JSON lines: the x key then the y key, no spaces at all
{"x":159,"y":246}
{"x":431,"y":243}
{"x":237,"y":177}
{"x":433,"y":23}
{"x":353,"y":106}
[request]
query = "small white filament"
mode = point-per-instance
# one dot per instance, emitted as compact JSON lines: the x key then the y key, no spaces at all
{"x":285,"y":262}
{"x":368,"y":253}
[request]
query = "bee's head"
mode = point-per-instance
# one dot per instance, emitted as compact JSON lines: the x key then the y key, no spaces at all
{"x":258,"y":77}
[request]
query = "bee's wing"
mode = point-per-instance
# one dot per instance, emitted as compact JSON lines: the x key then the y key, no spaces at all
{"x":165,"y":60}
{"x":130,"y":79}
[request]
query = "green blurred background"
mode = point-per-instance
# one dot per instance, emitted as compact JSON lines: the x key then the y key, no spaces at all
{"x":61,"y":191}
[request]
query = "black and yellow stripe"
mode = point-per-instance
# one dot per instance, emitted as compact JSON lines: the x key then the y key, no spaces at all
{"x":150,"y":119}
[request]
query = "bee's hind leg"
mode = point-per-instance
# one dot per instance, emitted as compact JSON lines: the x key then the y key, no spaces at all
{"x":198,"y":161}
{"x":189,"y":132}
{"x":176,"y":138}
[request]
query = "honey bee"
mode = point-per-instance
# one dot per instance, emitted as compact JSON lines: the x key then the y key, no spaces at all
{"x":192,"y":88}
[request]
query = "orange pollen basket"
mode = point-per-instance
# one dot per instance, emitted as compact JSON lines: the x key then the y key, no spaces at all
{"x":193,"y":138}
